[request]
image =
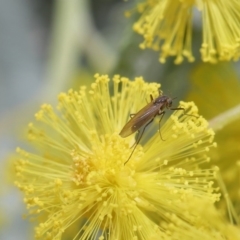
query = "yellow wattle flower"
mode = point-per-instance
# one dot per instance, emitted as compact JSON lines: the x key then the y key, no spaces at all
{"x":166,"y":26}
{"x":76,"y":182}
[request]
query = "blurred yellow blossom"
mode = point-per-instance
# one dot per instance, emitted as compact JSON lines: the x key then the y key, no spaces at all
{"x":216,"y":89}
{"x":76,"y":184}
{"x":166,"y":26}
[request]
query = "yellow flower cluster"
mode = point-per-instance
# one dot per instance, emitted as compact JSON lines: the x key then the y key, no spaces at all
{"x":78,"y":187}
{"x":166,"y":26}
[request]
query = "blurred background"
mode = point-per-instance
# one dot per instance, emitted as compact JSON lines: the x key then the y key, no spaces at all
{"x":50,"y":46}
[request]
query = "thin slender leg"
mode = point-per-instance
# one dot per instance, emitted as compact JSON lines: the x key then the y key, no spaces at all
{"x":151,"y":97}
{"x":131,"y":116}
{"x":179,"y":108}
{"x":183,"y":111}
{"x":137,"y":142}
{"x":138,"y":132}
{"x":162,"y":114}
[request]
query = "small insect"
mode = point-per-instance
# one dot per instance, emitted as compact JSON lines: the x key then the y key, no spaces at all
{"x":145,"y":116}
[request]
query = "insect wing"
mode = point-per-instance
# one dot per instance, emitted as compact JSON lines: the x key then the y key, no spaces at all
{"x":140,"y":118}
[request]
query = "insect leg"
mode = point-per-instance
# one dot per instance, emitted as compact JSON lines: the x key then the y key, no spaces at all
{"x":162,"y":114}
{"x":137,"y":142}
{"x":138,"y":132}
{"x":151,"y":96}
{"x":180,"y":108}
